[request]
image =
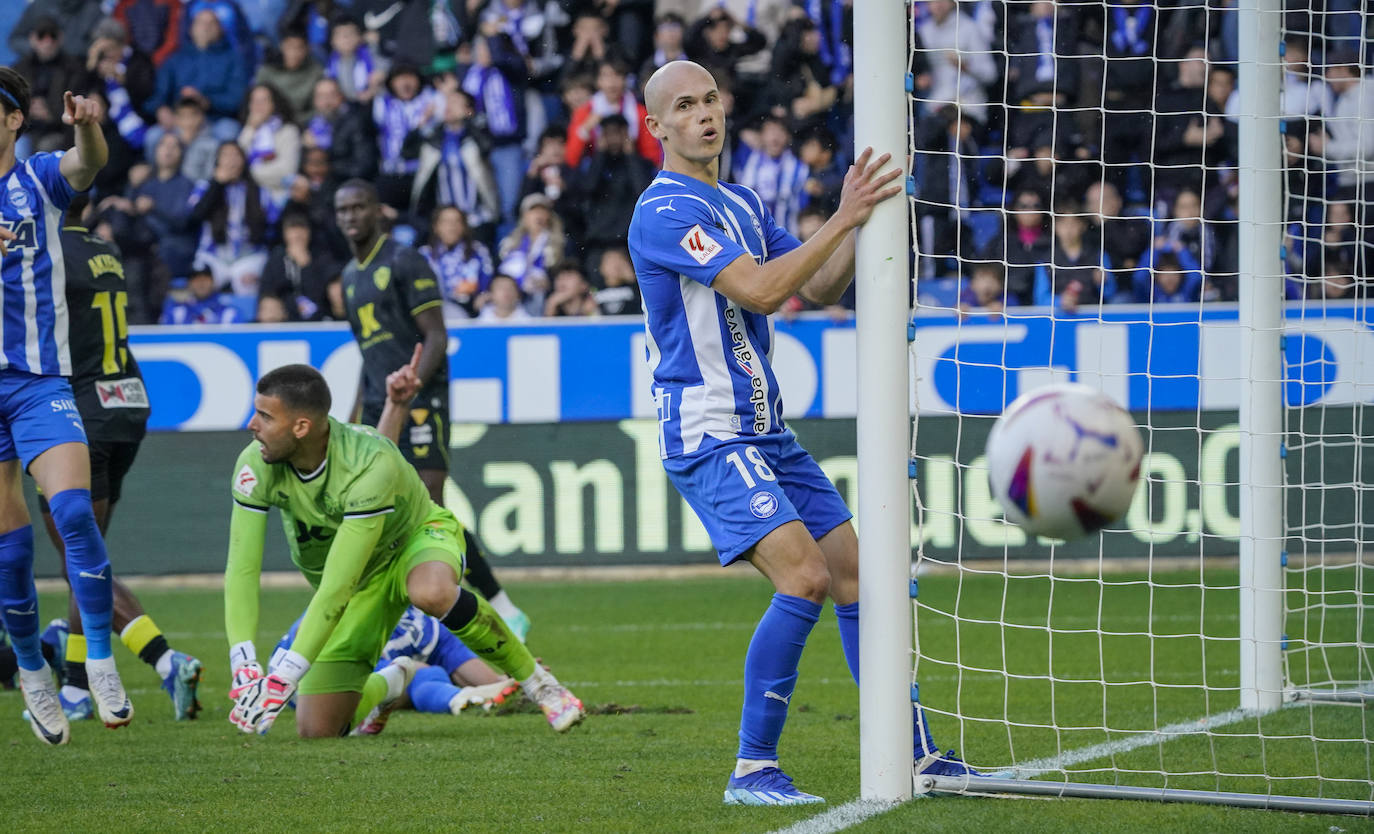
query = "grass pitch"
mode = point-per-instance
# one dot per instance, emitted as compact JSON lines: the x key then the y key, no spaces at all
{"x":659,"y":663}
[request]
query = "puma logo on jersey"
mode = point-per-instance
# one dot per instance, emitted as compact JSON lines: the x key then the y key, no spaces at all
{"x":701,"y":246}
{"x":661,"y":209}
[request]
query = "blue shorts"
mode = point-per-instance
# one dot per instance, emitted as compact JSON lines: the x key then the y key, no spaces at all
{"x":36,"y":414}
{"x":744,"y":489}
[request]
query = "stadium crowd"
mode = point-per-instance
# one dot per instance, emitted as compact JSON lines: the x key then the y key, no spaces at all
{"x":1065,"y":153}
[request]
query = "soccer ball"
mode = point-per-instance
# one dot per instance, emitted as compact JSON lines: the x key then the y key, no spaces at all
{"x":1064,"y":461}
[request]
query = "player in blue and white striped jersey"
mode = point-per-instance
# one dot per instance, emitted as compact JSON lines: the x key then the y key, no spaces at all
{"x":712,"y":265}
{"x":40,"y":427}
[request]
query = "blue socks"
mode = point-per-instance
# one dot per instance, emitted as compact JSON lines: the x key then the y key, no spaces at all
{"x":88,"y":567}
{"x":848,"y":617}
{"x":432,"y":690}
{"x":19,"y":598}
{"x":770,"y":673}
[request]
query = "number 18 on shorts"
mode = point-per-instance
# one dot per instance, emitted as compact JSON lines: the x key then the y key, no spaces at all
{"x":744,"y":489}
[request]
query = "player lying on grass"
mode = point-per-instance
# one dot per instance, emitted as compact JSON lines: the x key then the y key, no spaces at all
{"x":448,"y":677}
{"x":363,"y":530}
{"x":712,"y":265}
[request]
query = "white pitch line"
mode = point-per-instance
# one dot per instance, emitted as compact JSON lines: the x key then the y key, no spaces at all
{"x":840,"y":817}
{"x":1037,"y":767}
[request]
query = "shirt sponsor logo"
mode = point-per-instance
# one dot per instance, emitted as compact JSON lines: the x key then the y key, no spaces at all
{"x":121,"y":393}
{"x":245,"y":481}
{"x":744,"y":357}
{"x":763,"y":504}
{"x":62,"y":405}
{"x":701,"y":246}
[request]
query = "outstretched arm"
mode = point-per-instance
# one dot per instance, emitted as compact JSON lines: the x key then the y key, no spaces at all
{"x":401,"y":386}
{"x":830,"y":281}
{"x":247,"y":531}
{"x":763,"y":289}
{"x":84,"y":161}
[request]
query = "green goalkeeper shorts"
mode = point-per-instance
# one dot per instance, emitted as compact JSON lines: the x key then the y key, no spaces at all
{"x":352,"y":651}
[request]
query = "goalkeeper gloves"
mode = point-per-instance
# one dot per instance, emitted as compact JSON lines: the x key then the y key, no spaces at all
{"x":258,"y":700}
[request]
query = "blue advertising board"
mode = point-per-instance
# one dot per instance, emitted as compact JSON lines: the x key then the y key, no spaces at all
{"x":1160,"y":359}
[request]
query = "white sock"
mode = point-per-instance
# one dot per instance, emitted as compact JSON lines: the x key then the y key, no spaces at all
{"x":71,"y":693}
{"x":36,"y":677}
{"x":395,"y":678}
{"x":104,"y":665}
{"x":541,"y":677}
{"x":164,"y":664}
{"x":504,"y":606}
{"x":744,"y":767}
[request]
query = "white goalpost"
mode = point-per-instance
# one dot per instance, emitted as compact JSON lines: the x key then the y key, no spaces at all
{"x":1212,"y":647}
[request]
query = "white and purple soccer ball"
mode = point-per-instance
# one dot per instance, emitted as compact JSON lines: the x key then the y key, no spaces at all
{"x":1064,"y":460}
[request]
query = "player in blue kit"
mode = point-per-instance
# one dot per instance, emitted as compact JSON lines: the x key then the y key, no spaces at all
{"x":712,"y":265}
{"x":40,"y":428}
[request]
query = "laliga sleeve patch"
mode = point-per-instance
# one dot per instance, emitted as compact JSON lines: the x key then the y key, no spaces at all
{"x":701,"y":246}
{"x":244,"y":481}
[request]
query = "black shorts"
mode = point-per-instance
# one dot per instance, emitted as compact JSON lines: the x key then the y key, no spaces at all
{"x":424,"y":434}
{"x":111,"y":460}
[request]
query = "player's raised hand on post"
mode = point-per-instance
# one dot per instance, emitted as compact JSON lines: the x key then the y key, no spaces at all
{"x":404,"y":382}
{"x":866,"y":185}
{"x":79,"y":110}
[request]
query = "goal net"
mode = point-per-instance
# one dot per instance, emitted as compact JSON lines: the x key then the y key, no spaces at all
{"x":1098,"y":196}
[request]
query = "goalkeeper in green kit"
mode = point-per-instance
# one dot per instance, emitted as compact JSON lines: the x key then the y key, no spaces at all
{"x":363,"y":530}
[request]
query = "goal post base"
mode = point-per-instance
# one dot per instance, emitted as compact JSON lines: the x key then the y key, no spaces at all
{"x":1083,"y":790}
{"x":1360,"y":696}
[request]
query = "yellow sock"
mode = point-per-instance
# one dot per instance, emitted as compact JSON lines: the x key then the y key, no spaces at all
{"x":137,"y":634}
{"x":76,"y":648}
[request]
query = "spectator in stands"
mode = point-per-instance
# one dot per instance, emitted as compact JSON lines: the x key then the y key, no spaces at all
{"x":612,"y":97}
{"x":271,"y":140}
{"x":199,"y":146}
{"x":824,"y":172}
{"x":1348,"y":147}
{"x":718,"y":41}
{"x":292,"y":71}
{"x":835,"y":20}
{"x":946,"y":190}
{"x":199,"y":303}
{"x":986,"y":290}
{"x":609,"y":185}
{"x":799,"y":87}
{"x":631,"y":25}
{"x":1337,"y":281}
{"x":532,"y":247}
{"x":619,"y":295}
{"x":232,"y":213}
{"x":262,"y":17}
{"x":1123,"y":238}
{"x":312,"y":17}
{"x":271,"y":310}
{"x":775,"y":173}
{"x":575,"y":91}
{"x":1304,"y":92}
{"x":154,"y":26}
{"x":1041,"y":67}
{"x":1077,"y":273}
{"x":1340,"y":235}
{"x":77,"y":19}
{"x":531,"y":27}
{"x":334,"y":292}
{"x":1185,"y":230}
{"x":1024,"y":245}
{"x":1190,"y":131}
{"x":359,"y":71}
{"x":208,"y":69}
{"x":461,"y":263}
{"x":1165,"y":280}
{"x":669,"y":32}
{"x":591,"y":46}
{"x":342,"y":130}
{"x":312,"y":195}
{"x":297,"y":272}
{"x":1128,"y":78}
{"x":550,"y":175}
{"x":126,"y":74}
{"x":452,"y":170}
{"x":571,"y":294}
{"x":502,"y":301}
{"x":961,"y":65}
{"x":407,"y":106}
{"x":160,"y":202}
{"x":496,"y":82}
{"x":50,"y":72}
{"x":234,"y":24}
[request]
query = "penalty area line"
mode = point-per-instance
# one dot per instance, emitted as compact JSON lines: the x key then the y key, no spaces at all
{"x":840,"y":817}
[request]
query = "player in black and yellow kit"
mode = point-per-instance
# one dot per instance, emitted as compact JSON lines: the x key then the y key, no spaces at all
{"x":393,"y":304}
{"x":114,"y":408}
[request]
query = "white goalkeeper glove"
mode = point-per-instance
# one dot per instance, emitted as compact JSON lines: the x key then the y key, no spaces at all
{"x":258,"y":700}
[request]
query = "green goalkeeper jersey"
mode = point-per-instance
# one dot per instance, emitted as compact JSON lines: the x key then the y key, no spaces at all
{"x":345,"y":523}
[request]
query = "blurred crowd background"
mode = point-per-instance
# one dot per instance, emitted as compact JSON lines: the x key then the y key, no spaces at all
{"x":1069,"y":154}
